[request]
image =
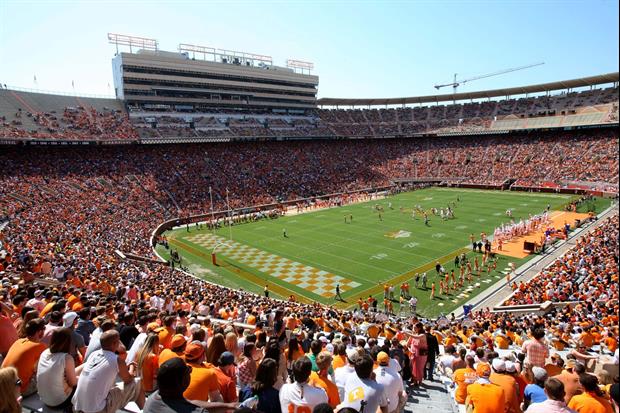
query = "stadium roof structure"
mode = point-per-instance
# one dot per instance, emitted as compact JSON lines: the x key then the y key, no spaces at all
{"x":541,"y":87}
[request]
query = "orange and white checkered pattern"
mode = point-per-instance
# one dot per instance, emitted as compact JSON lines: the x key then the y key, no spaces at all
{"x":312,"y":279}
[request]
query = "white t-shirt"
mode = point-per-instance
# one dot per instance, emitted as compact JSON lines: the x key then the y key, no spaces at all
{"x":392,"y":383}
{"x":295,"y":395}
{"x":371,"y":393}
{"x":341,"y":374}
{"x":96,"y":381}
{"x":51,"y":378}
{"x":446,"y":361}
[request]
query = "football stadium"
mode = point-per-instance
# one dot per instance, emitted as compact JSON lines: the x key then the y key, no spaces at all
{"x":219,"y":234}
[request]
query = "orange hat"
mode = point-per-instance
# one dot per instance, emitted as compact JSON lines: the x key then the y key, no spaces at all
{"x":177,"y":341}
{"x":383,"y":358}
{"x":483,"y":370}
{"x":152,"y":326}
{"x":194,"y":351}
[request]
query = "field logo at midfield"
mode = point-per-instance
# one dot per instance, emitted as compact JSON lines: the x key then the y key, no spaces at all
{"x":312,"y":279}
{"x":398,"y":234}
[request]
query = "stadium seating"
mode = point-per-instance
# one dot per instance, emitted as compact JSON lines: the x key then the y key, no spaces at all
{"x":40,"y":116}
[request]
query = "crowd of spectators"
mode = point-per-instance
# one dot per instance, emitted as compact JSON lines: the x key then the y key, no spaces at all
{"x":79,"y":324}
{"x":75,"y":123}
{"x":87,"y":123}
{"x":589,"y":269}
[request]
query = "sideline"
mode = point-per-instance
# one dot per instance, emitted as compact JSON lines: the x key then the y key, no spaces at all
{"x":493,"y":295}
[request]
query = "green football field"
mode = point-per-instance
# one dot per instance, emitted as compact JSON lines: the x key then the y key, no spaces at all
{"x":321,"y":250}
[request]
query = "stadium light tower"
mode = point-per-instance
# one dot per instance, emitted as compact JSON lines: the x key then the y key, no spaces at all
{"x":456,"y":83}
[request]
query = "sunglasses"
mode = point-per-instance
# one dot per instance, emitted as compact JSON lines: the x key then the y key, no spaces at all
{"x":18,"y":382}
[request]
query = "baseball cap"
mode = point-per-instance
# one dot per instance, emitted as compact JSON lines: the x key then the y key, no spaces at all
{"x":351,"y":353}
{"x":539,"y":373}
{"x":510,"y":367}
{"x":226,"y":359}
{"x":152,"y":326}
{"x":177,"y":341}
{"x":570,"y":364}
{"x":194,"y":351}
{"x":323,"y":339}
{"x":69,"y":318}
{"x":170,"y":373}
{"x":483,"y":370}
{"x":499,"y":365}
{"x":383,"y":358}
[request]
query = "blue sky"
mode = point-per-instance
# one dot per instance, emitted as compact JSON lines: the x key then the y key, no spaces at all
{"x":359,"y":48}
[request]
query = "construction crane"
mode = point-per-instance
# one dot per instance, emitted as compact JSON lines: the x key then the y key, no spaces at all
{"x":456,"y":83}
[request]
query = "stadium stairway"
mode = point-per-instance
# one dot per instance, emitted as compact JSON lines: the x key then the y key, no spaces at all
{"x":430,"y":396}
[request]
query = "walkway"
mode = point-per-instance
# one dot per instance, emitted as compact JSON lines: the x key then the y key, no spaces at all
{"x":431,"y":396}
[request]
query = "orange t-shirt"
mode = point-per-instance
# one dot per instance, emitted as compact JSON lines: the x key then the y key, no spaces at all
{"x":24,"y":356}
{"x":47,"y":309}
{"x":509,"y":384}
{"x":486,"y":398}
{"x":590,"y":403}
{"x":339,"y":361}
{"x":167,"y":354}
{"x":611,"y":343}
{"x":149,"y":372}
{"x":203,"y":380}
{"x":227,"y":386}
{"x":333,"y":397}
{"x":463,"y":378}
{"x":8,"y":333}
{"x":502,"y":342}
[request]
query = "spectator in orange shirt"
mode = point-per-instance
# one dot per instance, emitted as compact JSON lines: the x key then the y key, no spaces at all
{"x":592,"y":400}
{"x":507,"y":383}
{"x":24,"y":355}
{"x":484,"y":396}
{"x":463,"y":378}
{"x":227,"y":377}
{"x":147,"y":362}
{"x":166,"y":333}
{"x":321,"y":379}
{"x":203,"y":384}
{"x":177,"y":348}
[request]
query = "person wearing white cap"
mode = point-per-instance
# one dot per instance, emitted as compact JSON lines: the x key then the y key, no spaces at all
{"x":37,"y":302}
{"x":342,"y":373}
{"x":507,"y":383}
{"x":535,"y":392}
{"x":69,"y":320}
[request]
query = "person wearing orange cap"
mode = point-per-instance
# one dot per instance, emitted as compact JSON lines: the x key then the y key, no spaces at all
{"x":203,"y":384}
{"x":484,"y":396}
{"x":177,"y":348}
{"x":392,"y":383}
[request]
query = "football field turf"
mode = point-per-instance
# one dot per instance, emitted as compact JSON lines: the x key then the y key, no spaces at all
{"x":321,"y":250}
